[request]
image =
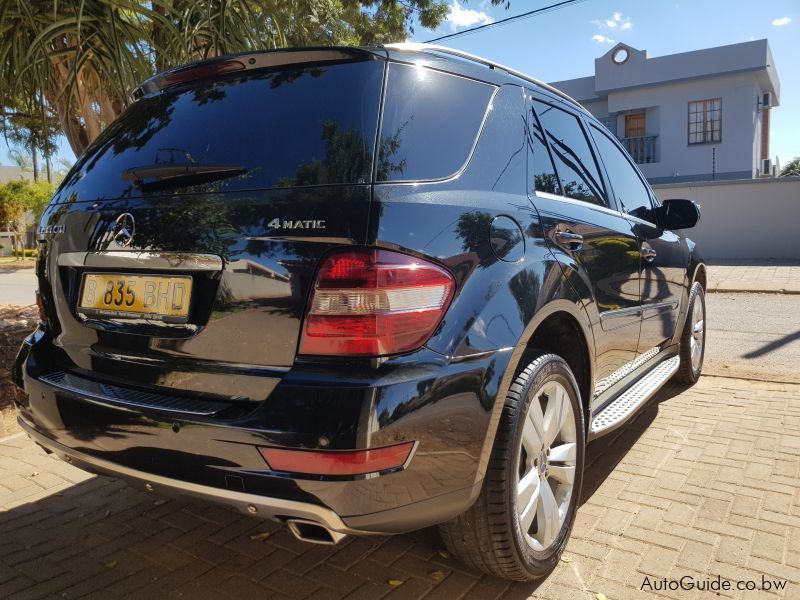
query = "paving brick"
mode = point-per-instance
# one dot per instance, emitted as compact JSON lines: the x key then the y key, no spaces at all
{"x":343,"y":582}
{"x":714,"y":509}
{"x":649,"y":518}
{"x":695,"y":555}
{"x":706,"y":484}
{"x":658,"y":561}
{"x":733,"y":551}
{"x":486,"y":588}
{"x":614,"y":521}
{"x":452,"y":588}
{"x":767,"y":545}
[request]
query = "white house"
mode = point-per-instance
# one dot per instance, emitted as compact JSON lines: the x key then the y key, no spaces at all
{"x":693,"y":116}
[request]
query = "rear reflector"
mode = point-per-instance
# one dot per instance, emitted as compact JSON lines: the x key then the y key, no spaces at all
{"x":335,"y":462}
{"x":371,"y":302}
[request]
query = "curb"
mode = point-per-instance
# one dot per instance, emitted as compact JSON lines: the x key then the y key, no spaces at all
{"x":13,"y":436}
{"x":739,"y":290}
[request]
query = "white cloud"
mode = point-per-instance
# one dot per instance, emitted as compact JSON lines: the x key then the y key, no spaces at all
{"x":601,"y":39}
{"x":781,"y":22}
{"x":616,"y":21}
{"x":458,"y":16}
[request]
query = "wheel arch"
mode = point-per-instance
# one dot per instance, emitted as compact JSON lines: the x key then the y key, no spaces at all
{"x":700,"y":275}
{"x":561,"y":321}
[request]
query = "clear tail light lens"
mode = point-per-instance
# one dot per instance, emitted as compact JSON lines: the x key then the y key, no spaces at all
{"x":370,"y":302}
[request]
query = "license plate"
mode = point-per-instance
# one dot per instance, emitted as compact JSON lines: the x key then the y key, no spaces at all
{"x":136,"y":296}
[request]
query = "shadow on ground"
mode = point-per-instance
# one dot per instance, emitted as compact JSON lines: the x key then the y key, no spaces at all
{"x":103,"y":538}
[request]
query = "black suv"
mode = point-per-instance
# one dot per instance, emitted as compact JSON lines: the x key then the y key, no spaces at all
{"x":362,"y":291}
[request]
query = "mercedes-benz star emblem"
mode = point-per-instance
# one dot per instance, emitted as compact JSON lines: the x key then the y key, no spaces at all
{"x":123,"y":228}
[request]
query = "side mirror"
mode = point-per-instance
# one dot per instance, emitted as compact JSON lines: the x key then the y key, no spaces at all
{"x":679,"y":214}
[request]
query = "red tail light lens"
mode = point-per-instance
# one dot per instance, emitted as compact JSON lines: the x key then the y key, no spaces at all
{"x":40,"y":306}
{"x":201,"y":72}
{"x":333,"y":462}
{"x":371,"y":302}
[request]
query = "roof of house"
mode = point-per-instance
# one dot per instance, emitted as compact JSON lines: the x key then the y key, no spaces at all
{"x":639,"y":69}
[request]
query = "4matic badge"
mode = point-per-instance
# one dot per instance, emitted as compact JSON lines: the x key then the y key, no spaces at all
{"x":297,"y":224}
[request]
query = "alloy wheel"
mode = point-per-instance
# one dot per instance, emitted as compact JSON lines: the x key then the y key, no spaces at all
{"x":698,"y":332}
{"x":547,"y":460}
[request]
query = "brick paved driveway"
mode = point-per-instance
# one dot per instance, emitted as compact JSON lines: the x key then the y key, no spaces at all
{"x":703,"y":483}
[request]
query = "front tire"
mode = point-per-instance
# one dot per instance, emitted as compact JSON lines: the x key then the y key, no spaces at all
{"x":520,"y":523}
{"x":693,"y":338}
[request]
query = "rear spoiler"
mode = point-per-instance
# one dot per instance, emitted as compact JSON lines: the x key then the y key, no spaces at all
{"x":232,"y":63}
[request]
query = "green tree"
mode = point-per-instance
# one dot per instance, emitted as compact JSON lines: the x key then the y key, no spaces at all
{"x":23,"y":161}
{"x":77,"y":61}
{"x":18,"y":199}
{"x":792,"y":168}
{"x":12,"y":216}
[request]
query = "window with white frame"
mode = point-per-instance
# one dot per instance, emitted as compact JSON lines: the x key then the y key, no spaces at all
{"x":705,"y":121}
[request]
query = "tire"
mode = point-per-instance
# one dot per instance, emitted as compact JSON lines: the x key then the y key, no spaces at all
{"x":691,"y":367}
{"x":489,"y":536}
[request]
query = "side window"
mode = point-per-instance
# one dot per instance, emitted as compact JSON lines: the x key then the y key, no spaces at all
{"x":541,"y":172}
{"x":629,"y":189}
{"x":575,"y":164}
{"x":430,"y":122}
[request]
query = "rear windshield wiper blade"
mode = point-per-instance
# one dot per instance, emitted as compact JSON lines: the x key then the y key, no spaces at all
{"x":163,"y":175}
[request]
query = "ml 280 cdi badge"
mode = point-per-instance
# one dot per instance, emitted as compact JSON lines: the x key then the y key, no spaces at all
{"x":361,"y":291}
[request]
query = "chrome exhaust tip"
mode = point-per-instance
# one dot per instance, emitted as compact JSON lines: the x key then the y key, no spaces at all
{"x":314,"y":533}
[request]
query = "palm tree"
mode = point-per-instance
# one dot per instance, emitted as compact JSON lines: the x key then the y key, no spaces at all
{"x":79,"y":60}
{"x":85,"y":57}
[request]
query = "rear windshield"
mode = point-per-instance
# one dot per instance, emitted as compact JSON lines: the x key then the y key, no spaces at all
{"x":430,"y":123}
{"x":293,"y":127}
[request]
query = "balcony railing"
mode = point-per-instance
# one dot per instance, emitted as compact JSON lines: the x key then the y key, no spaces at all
{"x":642,"y":149}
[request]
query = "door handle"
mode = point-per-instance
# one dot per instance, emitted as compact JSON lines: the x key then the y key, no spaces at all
{"x":569,"y":237}
{"x":648,"y":253}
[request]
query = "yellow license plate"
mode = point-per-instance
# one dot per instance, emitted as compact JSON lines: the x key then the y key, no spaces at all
{"x":136,"y":296}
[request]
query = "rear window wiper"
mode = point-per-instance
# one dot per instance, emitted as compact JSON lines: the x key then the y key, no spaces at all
{"x":165,"y":175}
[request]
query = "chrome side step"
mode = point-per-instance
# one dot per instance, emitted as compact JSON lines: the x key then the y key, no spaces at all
{"x":635,"y":396}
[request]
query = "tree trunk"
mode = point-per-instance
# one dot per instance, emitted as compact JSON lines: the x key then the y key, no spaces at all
{"x":47,"y":162}
{"x":34,"y":158}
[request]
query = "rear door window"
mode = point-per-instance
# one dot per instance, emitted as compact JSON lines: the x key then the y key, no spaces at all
{"x":431,"y":121}
{"x":630,"y":191}
{"x":299,"y":126}
{"x":541,"y":172}
{"x":575,"y":163}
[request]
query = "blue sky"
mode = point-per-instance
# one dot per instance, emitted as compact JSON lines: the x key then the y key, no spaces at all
{"x":564,"y":43}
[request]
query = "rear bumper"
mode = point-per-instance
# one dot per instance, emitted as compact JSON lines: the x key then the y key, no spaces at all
{"x":444,"y":407}
{"x":247,"y":503}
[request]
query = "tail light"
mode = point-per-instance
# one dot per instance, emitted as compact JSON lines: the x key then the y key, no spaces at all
{"x":40,"y":306}
{"x":371,"y":302}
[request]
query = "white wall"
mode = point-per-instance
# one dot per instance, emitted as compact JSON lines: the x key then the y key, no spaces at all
{"x":747,"y":219}
{"x":10,"y":173}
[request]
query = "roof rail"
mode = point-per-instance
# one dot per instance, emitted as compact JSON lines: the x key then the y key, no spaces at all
{"x":420,"y":47}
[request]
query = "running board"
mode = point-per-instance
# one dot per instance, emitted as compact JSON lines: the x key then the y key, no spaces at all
{"x":635,"y":396}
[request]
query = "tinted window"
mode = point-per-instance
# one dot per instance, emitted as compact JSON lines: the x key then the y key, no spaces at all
{"x":541,"y":173}
{"x":575,"y":164}
{"x":430,"y":123}
{"x":298,"y":126}
{"x":631,"y":193}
